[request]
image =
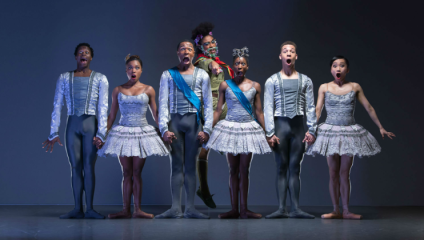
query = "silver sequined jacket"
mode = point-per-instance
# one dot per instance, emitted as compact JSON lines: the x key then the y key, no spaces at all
{"x":274,"y":105}
{"x":97,"y":100}
{"x":168,"y":101}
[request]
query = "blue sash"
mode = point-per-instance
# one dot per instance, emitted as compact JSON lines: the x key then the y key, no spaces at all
{"x":241,"y":97}
{"x":188,"y":92}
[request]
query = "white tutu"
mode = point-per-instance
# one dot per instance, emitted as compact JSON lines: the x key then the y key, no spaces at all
{"x":238,"y":138}
{"x":140,"y":142}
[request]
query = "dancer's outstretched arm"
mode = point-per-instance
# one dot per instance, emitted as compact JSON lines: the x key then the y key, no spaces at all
{"x":363,"y":100}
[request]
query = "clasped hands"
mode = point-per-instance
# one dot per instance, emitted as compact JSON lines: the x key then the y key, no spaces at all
{"x":201,"y":136}
{"x":98,"y":142}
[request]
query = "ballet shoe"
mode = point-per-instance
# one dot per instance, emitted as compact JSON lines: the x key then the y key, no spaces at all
{"x":249,"y":214}
{"x":208,"y":200}
{"x":280,"y":213}
{"x":349,"y":215}
{"x":124,"y":214}
{"x":170,"y":213}
{"x":140,"y":214}
{"x":233,"y":214}
{"x":332,"y":215}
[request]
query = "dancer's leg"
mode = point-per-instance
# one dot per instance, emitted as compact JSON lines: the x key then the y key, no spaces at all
{"x":191,"y":149}
{"x":176,"y":157}
{"x":245,"y":161}
{"x":281,"y":155}
{"x":334,"y":186}
{"x":73,"y":147}
{"x":345,"y":167}
{"x":297,"y":149}
{"x":202,"y":172}
{"x":234,"y":185}
{"x":89,"y":130}
{"x":127,"y":188}
{"x":138,"y":164}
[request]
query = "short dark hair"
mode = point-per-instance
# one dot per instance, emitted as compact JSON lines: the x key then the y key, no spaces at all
{"x":185,"y":40}
{"x":339,"y":57}
{"x":288,"y":43}
{"x":132,"y":58}
{"x":84,"y":45}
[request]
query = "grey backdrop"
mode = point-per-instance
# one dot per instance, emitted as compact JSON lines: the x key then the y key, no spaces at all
{"x":381,"y":41}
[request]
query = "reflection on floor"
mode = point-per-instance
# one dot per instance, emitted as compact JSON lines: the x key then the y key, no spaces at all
{"x":42,"y":222}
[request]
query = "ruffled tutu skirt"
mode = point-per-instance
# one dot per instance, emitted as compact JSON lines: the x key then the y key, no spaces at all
{"x":140,"y":142}
{"x":238,"y":138}
{"x":352,"y":140}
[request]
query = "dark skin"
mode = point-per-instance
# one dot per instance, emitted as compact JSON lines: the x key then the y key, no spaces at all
{"x":131,"y":166}
{"x":83,"y":59}
{"x":210,"y":42}
{"x":185,"y":54}
{"x":240,"y":164}
{"x":288,"y":57}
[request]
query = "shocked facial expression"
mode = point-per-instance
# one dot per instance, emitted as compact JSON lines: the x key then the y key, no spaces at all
{"x":240,"y":67}
{"x":134,"y":70}
{"x":288,"y":55}
{"x":83,"y":56}
{"x":185,"y":53}
{"x":209,"y":46}
{"x":339,"y":69}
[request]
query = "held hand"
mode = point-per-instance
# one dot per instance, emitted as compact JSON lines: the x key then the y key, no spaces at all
{"x":203,"y":137}
{"x":168,"y":136}
{"x":309,"y":138}
{"x":272,"y":140}
{"x":389,"y":134}
{"x":51,"y":143}
{"x":215,"y":68}
{"x":98,"y":142}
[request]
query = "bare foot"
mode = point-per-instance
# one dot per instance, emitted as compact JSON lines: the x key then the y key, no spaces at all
{"x":120,"y":215}
{"x":249,"y":214}
{"x":140,"y":214}
{"x":332,"y":215}
{"x":349,"y":215}
{"x":233,"y":214}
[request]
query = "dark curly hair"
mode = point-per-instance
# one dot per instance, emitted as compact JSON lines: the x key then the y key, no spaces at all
{"x":132,"y":58}
{"x":339,"y":57}
{"x":84,"y":45}
{"x":203,"y":29}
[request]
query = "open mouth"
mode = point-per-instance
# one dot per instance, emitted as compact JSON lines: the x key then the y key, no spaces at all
{"x":338,"y":75}
{"x":83,"y":60}
{"x":133,"y":76}
{"x":240,"y":73}
{"x":288,"y":61}
{"x":186,"y":60}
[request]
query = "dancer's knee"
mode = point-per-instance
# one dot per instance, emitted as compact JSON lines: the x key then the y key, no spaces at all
{"x":234,"y":170}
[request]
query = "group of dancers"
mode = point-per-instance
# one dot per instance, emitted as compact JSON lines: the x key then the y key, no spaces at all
{"x":198,"y":111}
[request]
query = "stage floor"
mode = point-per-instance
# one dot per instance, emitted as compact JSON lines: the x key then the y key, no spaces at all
{"x":42,"y":222}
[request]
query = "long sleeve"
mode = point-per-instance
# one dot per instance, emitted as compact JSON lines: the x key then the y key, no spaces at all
{"x":102,"y":108}
{"x":163,"y":104}
{"x":311,"y":117}
{"x":269,"y":108}
{"x":57,"y":108}
{"x":207,"y":104}
{"x":204,"y":64}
